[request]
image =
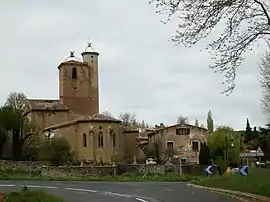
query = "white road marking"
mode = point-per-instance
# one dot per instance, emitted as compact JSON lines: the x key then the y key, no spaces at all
{"x":38,"y":186}
{"x":117,"y":194}
{"x":75,"y":189}
{"x":7,"y":185}
{"x":139,"y":199}
{"x":83,"y":190}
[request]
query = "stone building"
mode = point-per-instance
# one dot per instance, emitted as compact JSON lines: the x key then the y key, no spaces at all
{"x":179,"y":140}
{"x":75,"y":115}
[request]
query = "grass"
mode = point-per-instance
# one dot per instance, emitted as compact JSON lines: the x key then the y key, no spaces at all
{"x":127,"y":177}
{"x":31,"y":196}
{"x":256,"y":182}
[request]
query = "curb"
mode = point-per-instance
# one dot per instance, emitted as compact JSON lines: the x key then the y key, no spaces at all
{"x":235,"y":194}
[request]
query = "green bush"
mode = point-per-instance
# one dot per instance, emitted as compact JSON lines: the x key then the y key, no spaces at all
{"x":32,"y":196}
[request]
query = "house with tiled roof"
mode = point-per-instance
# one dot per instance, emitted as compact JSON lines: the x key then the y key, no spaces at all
{"x":75,"y":115}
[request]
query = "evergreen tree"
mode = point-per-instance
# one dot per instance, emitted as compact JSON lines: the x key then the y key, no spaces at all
{"x":196,"y":123}
{"x":204,"y":156}
{"x":210,"y":122}
{"x":248,"y":132}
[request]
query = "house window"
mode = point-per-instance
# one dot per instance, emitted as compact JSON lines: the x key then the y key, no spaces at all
{"x":100,"y":139}
{"x":182,"y":131}
{"x":113,"y":139}
{"x":74,"y":73}
{"x":169,"y":144}
{"x":195,"y":146}
{"x":84,"y":140}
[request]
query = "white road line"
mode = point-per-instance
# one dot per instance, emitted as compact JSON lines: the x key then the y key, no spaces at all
{"x":117,"y":194}
{"x":38,"y":186}
{"x":7,"y":185}
{"x":139,"y":199}
{"x":84,"y":190}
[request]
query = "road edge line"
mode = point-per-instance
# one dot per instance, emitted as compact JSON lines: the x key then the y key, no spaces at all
{"x":232,"y":193}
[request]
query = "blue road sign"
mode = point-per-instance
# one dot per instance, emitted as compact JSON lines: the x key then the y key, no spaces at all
{"x":209,"y":170}
{"x":244,"y":171}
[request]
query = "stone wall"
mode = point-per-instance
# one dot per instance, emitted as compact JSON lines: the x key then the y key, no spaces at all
{"x":83,"y":171}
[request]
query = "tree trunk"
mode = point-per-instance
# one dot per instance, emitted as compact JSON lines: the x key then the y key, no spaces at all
{"x":16,"y":147}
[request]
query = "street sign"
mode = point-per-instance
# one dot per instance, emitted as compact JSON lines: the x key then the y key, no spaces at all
{"x":251,"y":154}
{"x":209,"y":170}
{"x":259,"y":152}
{"x":244,"y":171}
{"x":178,"y":156}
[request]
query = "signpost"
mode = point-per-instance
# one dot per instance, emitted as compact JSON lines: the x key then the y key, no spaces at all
{"x":256,"y":153}
{"x":180,"y":163}
{"x":209,"y":170}
{"x":244,"y":171}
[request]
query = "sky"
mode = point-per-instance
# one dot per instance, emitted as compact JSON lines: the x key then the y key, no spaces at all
{"x":140,"y":70}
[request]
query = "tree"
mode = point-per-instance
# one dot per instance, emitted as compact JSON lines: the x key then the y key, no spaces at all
{"x":182,"y":120}
{"x":21,"y":128}
{"x":210,"y":122}
{"x":128,"y":120}
{"x":245,"y":23}
{"x":196,"y":123}
{"x":248,"y":133}
{"x":106,"y":113}
{"x":263,"y":140}
{"x":57,"y":151}
{"x":5,"y":125}
{"x":217,"y":144}
{"x":265,"y":81}
{"x":204,"y":155}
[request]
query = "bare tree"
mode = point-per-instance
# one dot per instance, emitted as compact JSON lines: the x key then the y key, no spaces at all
{"x":245,"y":23}
{"x":128,"y":120}
{"x":182,"y":120}
{"x":107,"y":113}
{"x":265,"y":81}
{"x":16,"y":100}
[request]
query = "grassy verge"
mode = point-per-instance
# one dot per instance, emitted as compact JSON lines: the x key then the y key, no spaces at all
{"x":257,"y":182}
{"x":127,"y":177}
{"x":31,"y":196}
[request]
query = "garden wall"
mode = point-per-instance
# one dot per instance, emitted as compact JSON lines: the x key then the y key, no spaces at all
{"x":82,"y":171}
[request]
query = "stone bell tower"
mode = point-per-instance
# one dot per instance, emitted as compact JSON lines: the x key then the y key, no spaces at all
{"x":78,"y":82}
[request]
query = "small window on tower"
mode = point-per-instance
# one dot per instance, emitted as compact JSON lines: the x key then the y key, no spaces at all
{"x":74,"y":73}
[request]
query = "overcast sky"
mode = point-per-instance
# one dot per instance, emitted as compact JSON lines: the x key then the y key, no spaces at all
{"x":140,"y":70}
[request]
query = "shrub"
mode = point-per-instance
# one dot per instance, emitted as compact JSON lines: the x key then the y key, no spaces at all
{"x":57,"y":151}
{"x":32,"y":196}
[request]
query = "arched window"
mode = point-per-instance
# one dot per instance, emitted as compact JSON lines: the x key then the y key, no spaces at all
{"x":74,"y":73}
{"x":100,"y":139}
{"x":113,"y":140}
{"x":84,"y":140}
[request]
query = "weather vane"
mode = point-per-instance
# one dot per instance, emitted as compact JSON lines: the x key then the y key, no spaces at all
{"x":72,"y":54}
{"x":89,"y":44}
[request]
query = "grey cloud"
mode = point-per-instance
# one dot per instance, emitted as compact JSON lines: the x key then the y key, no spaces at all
{"x":140,"y":70}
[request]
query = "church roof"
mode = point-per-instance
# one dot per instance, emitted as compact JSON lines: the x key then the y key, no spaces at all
{"x":85,"y":119}
{"x":72,"y":62}
{"x":43,"y":105}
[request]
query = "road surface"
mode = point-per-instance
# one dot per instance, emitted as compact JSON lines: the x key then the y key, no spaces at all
{"x":119,"y":191}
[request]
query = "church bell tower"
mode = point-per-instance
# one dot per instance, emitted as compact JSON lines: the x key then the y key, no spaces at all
{"x":78,"y":82}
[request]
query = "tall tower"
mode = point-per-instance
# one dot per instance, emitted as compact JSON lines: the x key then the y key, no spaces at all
{"x":78,"y":83}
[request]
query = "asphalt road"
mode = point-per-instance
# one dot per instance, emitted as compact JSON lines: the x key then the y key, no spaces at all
{"x":119,"y":191}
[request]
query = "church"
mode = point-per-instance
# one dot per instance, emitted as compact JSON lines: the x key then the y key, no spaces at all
{"x":75,"y":115}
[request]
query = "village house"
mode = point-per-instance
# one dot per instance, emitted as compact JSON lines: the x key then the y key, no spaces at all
{"x":180,"y":140}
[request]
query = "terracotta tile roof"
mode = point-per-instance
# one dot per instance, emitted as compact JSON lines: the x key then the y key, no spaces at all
{"x":87,"y":119}
{"x":156,"y":130}
{"x":98,"y":117}
{"x":72,"y":62}
{"x":43,"y":105}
